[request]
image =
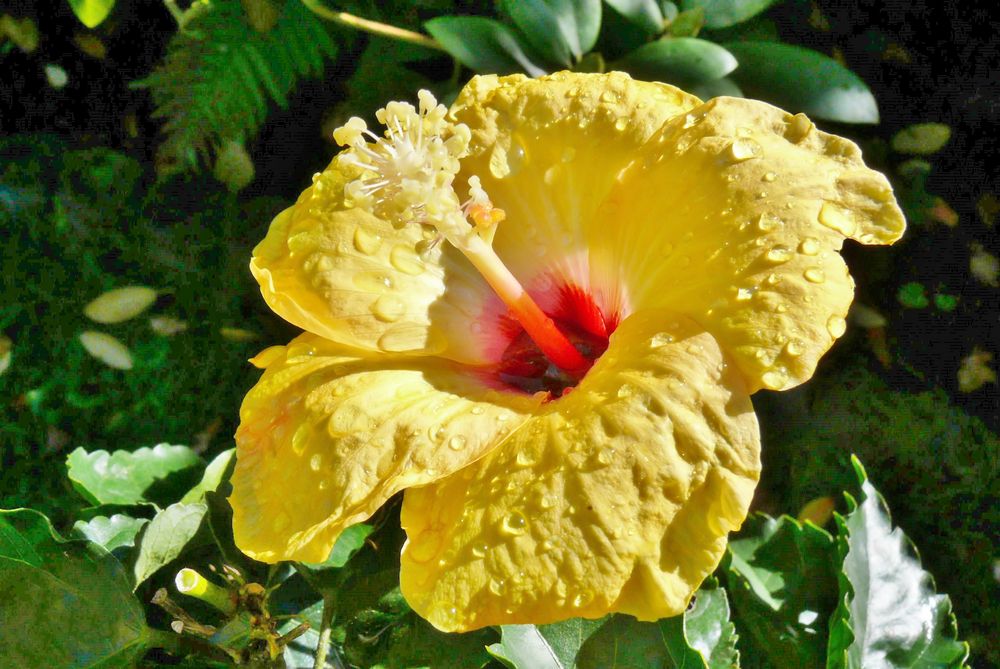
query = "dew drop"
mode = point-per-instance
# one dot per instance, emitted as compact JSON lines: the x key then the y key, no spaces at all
{"x":809,"y":247}
{"x":406,"y":260}
{"x":609,"y":96}
{"x":814,"y":275}
{"x":835,"y":218}
{"x":547,"y":502}
{"x":388,"y":308}
{"x":799,"y":127}
{"x":525,"y":458}
{"x":396,"y":339}
{"x":498,"y":586}
{"x":661,"y":339}
{"x":773,"y":279}
{"x":744,"y":294}
{"x":366,"y":241}
{"x":794,"y":348}
{"x":621,"y":124}
{"x":515,"y":158}
{"x":315,"y":462}
{"x":770,"y":176}
{"x":547,"y":545}
{"x":779,"y":254}
{"x":605,"y":457}
{"x":775,"y":378}
{"x":300,"y":437}
{"x":514,"y":523}
{"x":436,"y":433}
{"x":836,"y":326}
{"x":480,"y":549}
{"x":744,"y":149}
{"x":583,"y":598}
{"x":476,"y":410}
{"x":767,"y":222}
{"x":457,"y":442}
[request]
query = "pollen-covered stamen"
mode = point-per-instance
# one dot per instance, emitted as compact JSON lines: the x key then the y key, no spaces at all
{"x":407,"y":176}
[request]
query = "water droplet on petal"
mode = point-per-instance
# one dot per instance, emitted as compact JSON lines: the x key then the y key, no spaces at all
{"x":836,"y":218}
{"x":300,"y":437}
{"x":779,"y":254}
{"x":406,"y":260}
{"x":498,"y":586}
{"x":457,"y":442}
{"x":744,"y":149}
{"x":525,"y":458}
{"x":388,"y":308}
{"x":366,"y":241}
{"x":514,"y":523}
{"x":661,"y":339}
{"x":773,"y":279}
{"x":836,"y":326}
{"x":775,"y":378}
{"x":515,"y":158}
{"x":476,"y":410}
{"x":744,"y":294}
{"x":583,"y":598}
{"x":396,"y":339}
{"x":809,"y":247}
{"x":799,"y":127}
{"x":621,"y":124}
{"x":794,"y":348}
{"x":770,"y":176}
{"x":767,"y":222}
{"x":814,"y":275}
{"x":480,"y":548}
{"x":315,"y":462}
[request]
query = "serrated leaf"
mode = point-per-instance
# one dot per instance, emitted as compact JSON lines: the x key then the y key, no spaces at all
{"x":63,"y":603}
{"x":704,"y":636}
{"x":118,"y":531}
{"x":889,"y":616}
{"x":166,"y":537}
{"x":131,"y":477}
{"x":92,"y":12}
{"x":782,"y":580}
{"x":803,"y":80}
{"x":213,"y":476}
{"x":678,"y":60}
{"x":120,"y":304}
{"x":644,"y":13}
{"x":561,"y":31}
{"x":484,"y":45}
{"x":724,"y":13}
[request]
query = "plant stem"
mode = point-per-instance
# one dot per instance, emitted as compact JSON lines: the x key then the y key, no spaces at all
{"x":373,"y":27}
{"x":325,"y":631}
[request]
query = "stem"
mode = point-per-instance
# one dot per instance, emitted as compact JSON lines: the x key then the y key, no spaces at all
{"x":325,"y":631}
{"x":542,"y":330}
{"x":191,"y":583}
{"x":373,"y":27}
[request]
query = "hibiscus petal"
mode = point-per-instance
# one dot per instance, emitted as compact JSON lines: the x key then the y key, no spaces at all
{"x":616,"y":497}
{"x":548,"y":151}
{"x":325,"y":438}
{"x":735,"y":214}
{"x":355,"y":279}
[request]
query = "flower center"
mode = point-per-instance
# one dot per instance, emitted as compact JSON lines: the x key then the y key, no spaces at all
{"x":524,"y":365}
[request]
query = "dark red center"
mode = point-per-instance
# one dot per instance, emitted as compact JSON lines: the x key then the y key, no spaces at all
{"x":524,"y":367}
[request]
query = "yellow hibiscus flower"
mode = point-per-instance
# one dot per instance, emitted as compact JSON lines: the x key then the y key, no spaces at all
{"x":557,"y":370}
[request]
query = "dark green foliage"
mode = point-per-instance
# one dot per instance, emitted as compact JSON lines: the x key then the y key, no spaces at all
{"x":220,"y":73}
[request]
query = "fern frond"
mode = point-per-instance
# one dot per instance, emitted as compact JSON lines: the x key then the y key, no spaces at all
{"x":218,"y":76}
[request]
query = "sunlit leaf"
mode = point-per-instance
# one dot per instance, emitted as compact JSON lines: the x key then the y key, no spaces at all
{"x":552,"y":646}
{"x":644,"y":13}
{"x":724,"y":13}
{"x":560,"y":30}
{"x":889,"y":615}
{"x":132,"y":477}
{"x":91,"y":12}
{"x":922,"y":138}
{"x":120,"y":304}
{"x":214,"y":474}
{"x":63,"y":603}
{"x":118,"y":531}
{"x":802,"y":80}
{"x":484,"y":45}
{"x":166,"y":537}
{"x":107,"y":349}
{"x":348,"y":543}
{"x":913,"y":295}
{"x":679,"y":60}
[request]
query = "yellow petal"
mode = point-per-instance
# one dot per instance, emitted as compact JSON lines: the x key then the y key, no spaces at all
{"x":617,"y":497}
{"x":325,"y":438}
{"x":548,"y":151}
{"x":735,"y":215}
{"x":355,"y":279}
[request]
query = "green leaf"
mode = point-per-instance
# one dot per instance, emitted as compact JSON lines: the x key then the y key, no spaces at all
{"x":348,"y":543}
{"x":644,"y":13}
{"x":707,"y":90}
{"x":945,"y":302}
{"x":484,"y":45}
{"x":678,"y":60}
{"x":65,"y":603}
{"x":724,"y":13}
{"x":687,"y":23}
{"x":552,"y":646}
{"x":118,"y":531}
{"x":131,"y":477}
{"x":921,"y":139}
{"x":623,"y":642}
{"x":91,"y":12}
{"x":803,"y":80}
{"x":782,"y":580}
{"x":889,"y":615}
{"x":560,"y":30}
{"x":166,"y":537}
{"x":215,"y":473}
{"x":913,"y":295}
{"x":704,"y":636}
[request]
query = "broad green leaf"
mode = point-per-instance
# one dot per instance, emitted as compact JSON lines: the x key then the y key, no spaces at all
{"x":166,"y":537}
{"x":921,"y":139}
{"x":622,"y":642}
{"x":704,"y":637}
{"x":68,"y":604}
{"x":803,"y":80}
{"x":687,"y":23}
{"x":724,"y":13}
{"x":678,"y":60}
{"x":560,"y":30}
{"x":889,"y":616}
{"x":348,"y":543}
{"x":644,"y":13}
{"x":118,"y":531}
{"x":132,"y":477}
{"x":707,"y":90}
{"x":215,"y":473}
{"x":91,"y":12}
{"x":552,"y":646}
{"x":414,"y":643}
{"x":782,"y":580}
{"x":484,"y":45}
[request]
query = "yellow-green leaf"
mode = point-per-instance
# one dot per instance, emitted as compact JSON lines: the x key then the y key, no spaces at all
{"x":120,"y":304}
{"x":92,"y":12}
{"x":107,"y":349}
{"x":921,"y":139}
